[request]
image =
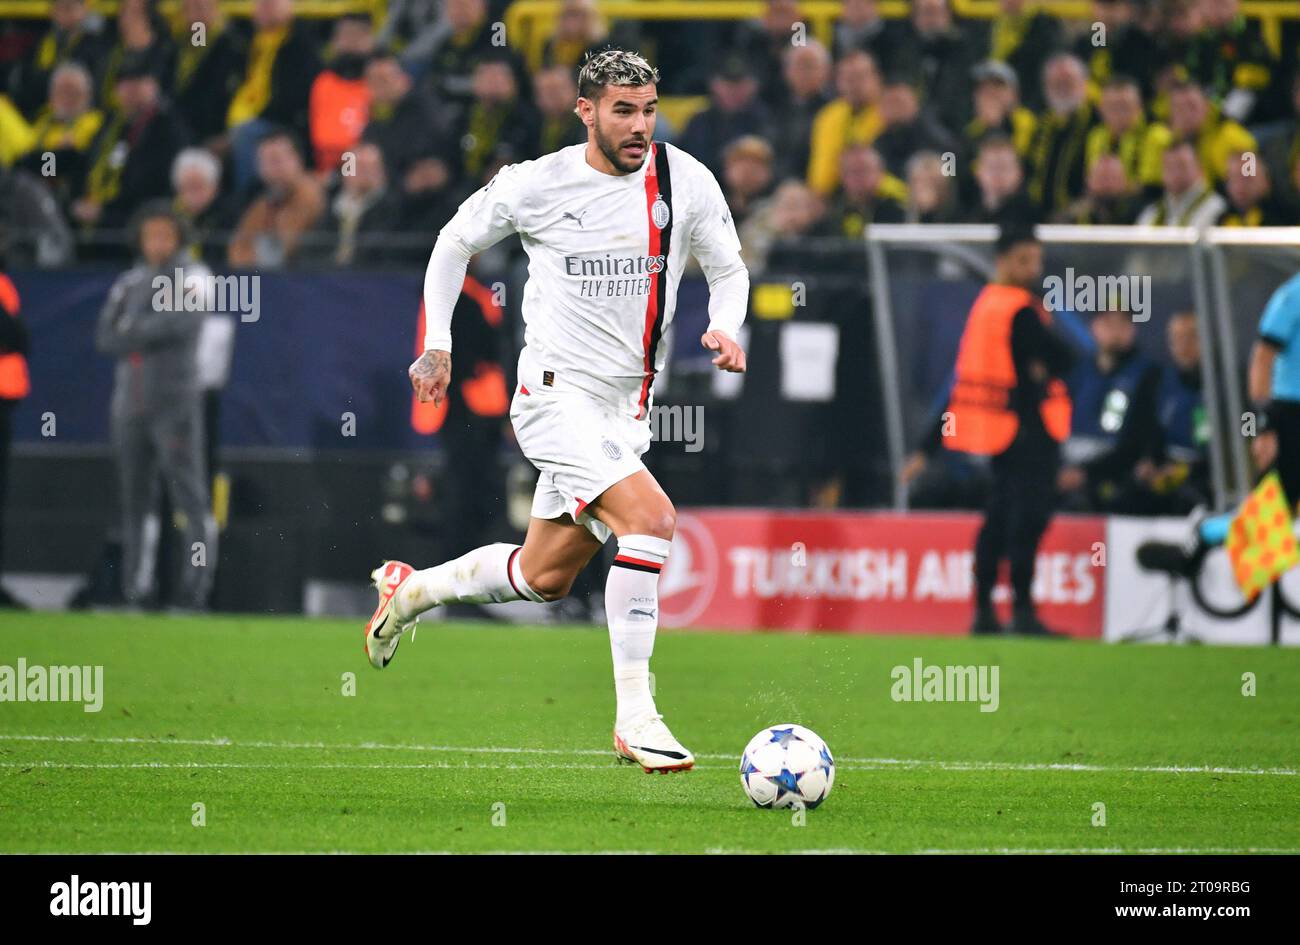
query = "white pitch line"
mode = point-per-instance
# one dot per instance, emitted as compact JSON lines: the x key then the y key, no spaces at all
{"x":715,"y":851}
{"x":858,"y":764}
{"x":440,"y":765}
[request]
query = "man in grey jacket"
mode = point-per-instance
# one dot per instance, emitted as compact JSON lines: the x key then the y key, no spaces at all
{"x":151,"y":324}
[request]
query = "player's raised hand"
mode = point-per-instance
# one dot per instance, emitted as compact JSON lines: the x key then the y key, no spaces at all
{"x":731,"y":356}
{"x":430,"y":374}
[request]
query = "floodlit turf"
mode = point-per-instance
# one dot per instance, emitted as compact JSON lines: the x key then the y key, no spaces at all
{"x":483,"y":738}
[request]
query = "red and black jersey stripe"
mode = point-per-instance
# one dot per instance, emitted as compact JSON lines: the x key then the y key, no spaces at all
{"x":658,"y":186}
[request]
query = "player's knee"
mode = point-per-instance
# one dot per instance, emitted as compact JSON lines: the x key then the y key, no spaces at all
{"x":657,"y":522}
{"x":551,"y":584}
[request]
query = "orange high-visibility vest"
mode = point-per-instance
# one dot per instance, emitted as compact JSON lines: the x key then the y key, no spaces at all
{"x":982,"y":418}
{"x":485,"y":390}
{"x":338,"y":110}
{"x":14,"y":381}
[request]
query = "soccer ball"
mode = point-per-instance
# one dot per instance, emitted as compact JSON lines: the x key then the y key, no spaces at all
{"x":787,"y":766}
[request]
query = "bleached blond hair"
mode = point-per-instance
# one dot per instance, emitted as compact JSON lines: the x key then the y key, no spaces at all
{"x":614,"y":67}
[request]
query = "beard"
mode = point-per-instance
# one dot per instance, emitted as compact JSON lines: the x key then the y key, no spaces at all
{"x":613,"y":150}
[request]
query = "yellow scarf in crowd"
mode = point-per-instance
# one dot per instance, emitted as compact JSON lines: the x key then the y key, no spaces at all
{"x":253,"y":95}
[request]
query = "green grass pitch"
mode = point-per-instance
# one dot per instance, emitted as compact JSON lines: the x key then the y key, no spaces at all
{"x":485,"y":738}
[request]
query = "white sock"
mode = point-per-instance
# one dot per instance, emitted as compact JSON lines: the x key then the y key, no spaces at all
{"x":486,"y":575}
{"x":632,"y":608}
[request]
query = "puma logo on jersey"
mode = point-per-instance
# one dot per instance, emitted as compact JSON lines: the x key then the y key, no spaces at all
{"x":576,"y":219}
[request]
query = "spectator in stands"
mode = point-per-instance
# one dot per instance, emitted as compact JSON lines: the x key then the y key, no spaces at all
{"x":1188,"y":199}
{"x":363,"y":206}
{"x":1180,"y":26}
{"x":156,"y":414}
{"x":429,"y":200}
{"x":1180,"y":479}
{"x":860,"y":26}
{"x":931,"y":192}
{"x":554,"y":92}
{"x":1024,"y":36}
{"x":465,"y":39}
{"x":403,"y":120}
{"x":1231,"y":60}
{"x":939,"y":57}
{"x":1111,"y":199}
{"x":140,"y":34}
{"x":15,"y":385}
{"x":1056,"y":158}
{"x":207,"y":72}
{"x":747,"y":174}
{"x":196,"y":185}
{"x":65,"y":128}
{"x":499,"y":126}
{"x":867,"y":194}
{"x":852,"y":118}
{"x":131,"y":159}
{"x":1000,"y":179}
{"x":414,"y":27}
{"x":579,"y":30}
{"x":1125,"y":132}
{"x":339,"y":103}
{"x":908,"y":128}
{"x":807,"y":73}
{"x":1117,"y":44}
{"x":273,"y":93}
{"x":75,"y":34}
{"x":793,"y":210}
{"x":1114,"y":425}
{"x":762,"y":44}
{"x":292,"y":201}
{"x":1250,"y":196}
{"x":734,"y":110}
{"x":997,"y":109}
{"x":1192,"y":117}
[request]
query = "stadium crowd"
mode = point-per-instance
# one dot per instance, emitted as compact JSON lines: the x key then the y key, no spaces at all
{"x":287,"y":140}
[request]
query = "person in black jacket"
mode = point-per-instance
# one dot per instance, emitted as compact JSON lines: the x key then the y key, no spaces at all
{"x":281,"y":65}
{"x":207,"y":73}
{"x":76,"y":34}
{"x":1116,"y":424}
{"x":403,"y":122}
{"x":1007,"y":403}
{"x":131,"y":159}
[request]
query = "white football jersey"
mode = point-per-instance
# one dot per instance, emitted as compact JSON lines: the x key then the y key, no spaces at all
{"x":605,"y":258}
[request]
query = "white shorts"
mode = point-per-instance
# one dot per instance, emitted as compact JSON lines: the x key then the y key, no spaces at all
{"x":580,"y":444}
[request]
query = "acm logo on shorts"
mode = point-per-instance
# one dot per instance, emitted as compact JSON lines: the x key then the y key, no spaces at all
{"x":611,"y":449}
